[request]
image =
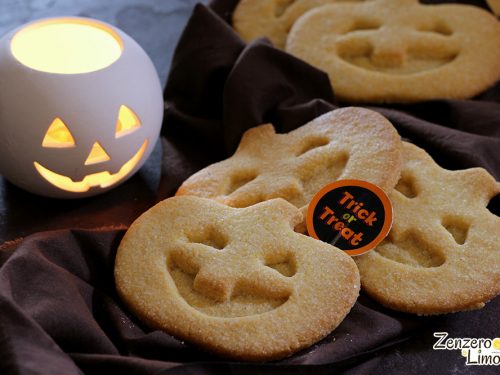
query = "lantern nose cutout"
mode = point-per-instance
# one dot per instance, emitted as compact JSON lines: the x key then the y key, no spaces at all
{"x":97,"y":155}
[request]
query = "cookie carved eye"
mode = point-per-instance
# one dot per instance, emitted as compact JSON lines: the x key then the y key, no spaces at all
{"x":364,"y":24}
{"x":239,"y":179}
{"x":406,"y":186}
{"x":316,"y":175}
{"x":313,"y":143}
{"x":284,"y":264}
{"x":437,"y":28}
{"x":457,"y":227}
{"x":209,"y":237}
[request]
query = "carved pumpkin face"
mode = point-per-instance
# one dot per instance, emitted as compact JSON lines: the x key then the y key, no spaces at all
{"x":59,"y":136}
{"x":80,"y":128}
{"x":212,"y":274}
{"x":400,"y":51}
{"x":296,"y":165}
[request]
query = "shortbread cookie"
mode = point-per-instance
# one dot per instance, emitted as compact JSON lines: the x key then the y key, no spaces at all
{"x":443,"y":252}
{"x":494,"y":5}
{"x":237,"y":282}
{"x":271,"y":18}
{"x":400,"y":50}
{"x":348,"y":143}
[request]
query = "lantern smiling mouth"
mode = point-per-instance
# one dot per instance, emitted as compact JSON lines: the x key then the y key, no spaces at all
{"x":102,"y":179}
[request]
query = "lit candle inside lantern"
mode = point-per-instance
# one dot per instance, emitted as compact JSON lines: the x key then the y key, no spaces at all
{"x":80,"y":107}
{"x":66,"y":47}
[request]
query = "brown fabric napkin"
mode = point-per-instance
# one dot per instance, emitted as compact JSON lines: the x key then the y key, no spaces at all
{"x":59,"y":311}
{"x":61,"y":314}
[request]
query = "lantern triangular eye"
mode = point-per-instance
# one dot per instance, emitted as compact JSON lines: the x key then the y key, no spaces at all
{"x":58,"y":135}
{"x":127,"y":122}
{"x":97,"y":155}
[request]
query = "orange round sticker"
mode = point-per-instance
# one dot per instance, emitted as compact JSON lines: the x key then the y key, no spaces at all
{"x":352,"y":215}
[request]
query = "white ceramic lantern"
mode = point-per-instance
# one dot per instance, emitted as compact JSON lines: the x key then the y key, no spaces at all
{"x":80,"y":107}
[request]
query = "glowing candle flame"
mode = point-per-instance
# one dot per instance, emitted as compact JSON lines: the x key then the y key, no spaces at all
{"x":66,"y":46}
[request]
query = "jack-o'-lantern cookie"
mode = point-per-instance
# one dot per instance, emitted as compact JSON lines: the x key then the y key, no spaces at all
{"x":237,"y":281}
{"x":271,"y":18}
{"x":443,"y":252}
{"x":400,"y":50}
{"x":347,"y":143}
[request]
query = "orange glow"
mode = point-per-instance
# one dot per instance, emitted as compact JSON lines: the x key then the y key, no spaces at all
{"x":102,"y":179}
{"x":66,"y":46}
{"x":97,"y":155}
{"x":127,"y":122}
{"x":58,"y":135}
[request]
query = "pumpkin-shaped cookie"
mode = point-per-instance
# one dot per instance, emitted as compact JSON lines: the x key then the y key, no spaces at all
{"x":400,"y":50}
{"x":271,"y":18}
{"x":238,"y":282}
{"x":348,"y":143}
{"x":443,"y":252}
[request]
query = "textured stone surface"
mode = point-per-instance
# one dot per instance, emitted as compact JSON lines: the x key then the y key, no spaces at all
{"x":155,"y":25}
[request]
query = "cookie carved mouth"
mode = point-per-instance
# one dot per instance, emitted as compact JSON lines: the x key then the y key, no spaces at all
{"x":414,"y":60}
{"x":239,"y":305}
{"x":102,"y":179}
